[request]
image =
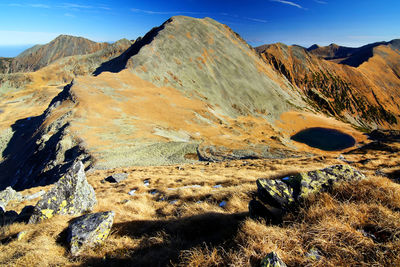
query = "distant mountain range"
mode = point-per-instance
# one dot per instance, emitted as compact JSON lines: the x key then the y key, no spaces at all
{"x":190,"y":89}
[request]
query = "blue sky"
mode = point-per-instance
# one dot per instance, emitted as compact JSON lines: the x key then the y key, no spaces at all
{"x":303,"y":22}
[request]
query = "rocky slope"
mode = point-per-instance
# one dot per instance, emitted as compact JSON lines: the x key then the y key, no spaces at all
{"x":40,"y":56}
{"x":357,"y":85}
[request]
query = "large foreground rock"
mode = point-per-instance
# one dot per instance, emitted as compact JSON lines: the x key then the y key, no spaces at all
{"x":72,"y":194}
{"x":287,"y":193}
{"x":89,"y":230}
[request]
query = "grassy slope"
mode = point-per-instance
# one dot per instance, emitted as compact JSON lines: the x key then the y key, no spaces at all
{"x":152,"y":231}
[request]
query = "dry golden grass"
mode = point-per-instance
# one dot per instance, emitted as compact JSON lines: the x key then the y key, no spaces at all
{"x":182,"y":224}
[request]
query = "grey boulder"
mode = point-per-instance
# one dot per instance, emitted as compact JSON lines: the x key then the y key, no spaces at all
{"x":89,"y":230}
{"x":287,"y":194}
{"x":8,"y":195}
{"x":72,"y":194}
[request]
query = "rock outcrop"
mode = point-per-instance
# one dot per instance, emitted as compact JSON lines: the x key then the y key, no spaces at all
{"x":72,"y":194}
{"x":89,"y":230}
{"x":8,"y":195}
{"x":275,"y":197}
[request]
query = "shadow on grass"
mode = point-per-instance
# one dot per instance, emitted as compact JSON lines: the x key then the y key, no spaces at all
{"x":162,"y":241}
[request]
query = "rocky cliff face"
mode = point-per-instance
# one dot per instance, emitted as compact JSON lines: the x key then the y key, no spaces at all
{"x":358,"y":85}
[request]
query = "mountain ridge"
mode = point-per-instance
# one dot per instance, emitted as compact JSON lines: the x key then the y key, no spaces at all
{"x":39,"y":56}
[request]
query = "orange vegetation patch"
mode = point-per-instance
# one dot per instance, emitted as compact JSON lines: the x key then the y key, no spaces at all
{"x":117,"y":109}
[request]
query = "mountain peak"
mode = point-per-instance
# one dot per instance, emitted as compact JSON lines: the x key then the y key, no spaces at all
{"x":62,"y":46}
{"x":313,"y":47}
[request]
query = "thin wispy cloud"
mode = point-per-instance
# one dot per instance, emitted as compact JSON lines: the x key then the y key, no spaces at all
{"x":29,"y":5}
{"x":69,"y":15}
{"x":75,"y":6}
{"x":66,"y":5}
{"x":39,"y":5}
{"x":256,"y":20}
{"x":152,"y":12}
{"x":156,"y":12}
{"x":288,"y":3}
{"x":321,"y":2}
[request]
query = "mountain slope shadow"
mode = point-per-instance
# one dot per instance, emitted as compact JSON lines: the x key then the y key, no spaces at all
{"x":119,"y":63}
{"x":162,"y":241}
{"x":35,"y":154}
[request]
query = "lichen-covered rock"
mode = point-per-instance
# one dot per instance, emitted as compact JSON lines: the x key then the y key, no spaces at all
{"x":272,"y":260}
{"x":314,"y":254}
{"x":72,"y":194}
{"x":8,"y":195}
{"x":287,"y":193}
{"x":316,"y":181}
{"x":89,"y":230}
{"x":275,"y":192}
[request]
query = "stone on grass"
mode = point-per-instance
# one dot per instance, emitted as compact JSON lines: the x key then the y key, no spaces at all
{"x":116,"y":178}
{"x":314,"y":254}
{"x":72,"y":194}
{"x":89,"y":230}
{"x":8,"y":195}
{"x":272,"y":260}
{"x":321,"y":180}
{"x":21,"y":235}
{"x":288,"y":193}
{"x":275,"y":192}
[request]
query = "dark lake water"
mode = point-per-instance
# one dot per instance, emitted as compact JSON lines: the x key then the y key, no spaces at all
{"x":324,"y":139}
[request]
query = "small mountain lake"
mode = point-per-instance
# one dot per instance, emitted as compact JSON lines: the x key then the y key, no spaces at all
{"x":324,"y":139}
